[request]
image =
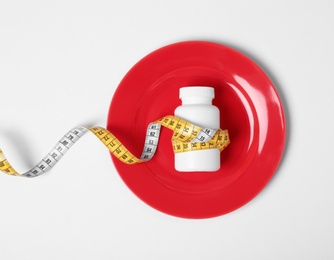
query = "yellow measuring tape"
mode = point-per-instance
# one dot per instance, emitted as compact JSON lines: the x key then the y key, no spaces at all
{"x":186,"y":137}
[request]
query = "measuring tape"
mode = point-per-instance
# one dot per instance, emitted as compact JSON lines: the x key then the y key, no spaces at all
{"x":186,"y":137}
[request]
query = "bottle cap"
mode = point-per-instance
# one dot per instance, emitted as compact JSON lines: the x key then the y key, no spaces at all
{"x":197,"y":91}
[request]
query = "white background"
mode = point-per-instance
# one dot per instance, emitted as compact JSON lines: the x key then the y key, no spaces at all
{"x":60,"y":63}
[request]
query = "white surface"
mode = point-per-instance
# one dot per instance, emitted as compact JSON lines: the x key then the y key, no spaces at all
{"x":60,"y":63}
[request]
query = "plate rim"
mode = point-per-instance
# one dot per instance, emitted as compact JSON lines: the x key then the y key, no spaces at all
{"x":272,"y":86}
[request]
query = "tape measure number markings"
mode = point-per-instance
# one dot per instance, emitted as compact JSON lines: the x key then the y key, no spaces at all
{"x":186,"y":137}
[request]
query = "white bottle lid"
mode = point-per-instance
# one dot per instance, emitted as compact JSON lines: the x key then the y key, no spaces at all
{"x":197,"y":91}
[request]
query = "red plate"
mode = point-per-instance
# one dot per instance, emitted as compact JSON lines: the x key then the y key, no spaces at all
{"x":250,"y":109}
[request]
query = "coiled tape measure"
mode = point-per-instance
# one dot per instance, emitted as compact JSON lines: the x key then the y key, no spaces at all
{"x":186,"y":137}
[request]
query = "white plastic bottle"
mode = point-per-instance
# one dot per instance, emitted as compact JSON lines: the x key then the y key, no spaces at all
{"x":197,"y":108}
